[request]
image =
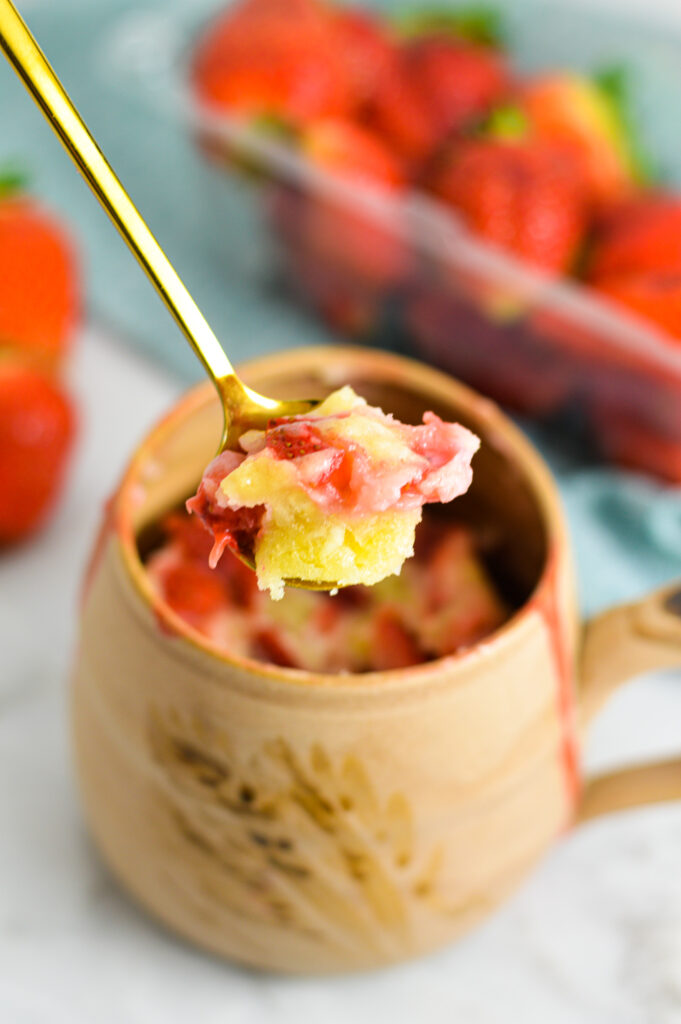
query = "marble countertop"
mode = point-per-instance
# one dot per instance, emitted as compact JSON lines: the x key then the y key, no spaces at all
{"x":593,"y":938}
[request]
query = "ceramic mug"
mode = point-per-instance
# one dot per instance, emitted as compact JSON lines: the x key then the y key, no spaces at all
{"x":312,"y":823}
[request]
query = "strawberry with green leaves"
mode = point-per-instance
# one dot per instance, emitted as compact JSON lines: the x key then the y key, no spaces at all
{"x":589,"y":117}
{"x":447,"y":75}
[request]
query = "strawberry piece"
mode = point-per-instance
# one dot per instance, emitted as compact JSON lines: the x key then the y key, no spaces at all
{"x":273,"y":58}
{"x":37,"y":427}
{"x":294,"y":440}
{"x":393,"y":645}
{"x":269,"y":646}
{"x":187,"y":534}
{"x":39,"y":295}
{"x":193,"y":591}
{"x":235,"y":529}
{"x":525,"y":197}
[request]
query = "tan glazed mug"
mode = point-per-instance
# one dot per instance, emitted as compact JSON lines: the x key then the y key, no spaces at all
{"x":310,"y":823}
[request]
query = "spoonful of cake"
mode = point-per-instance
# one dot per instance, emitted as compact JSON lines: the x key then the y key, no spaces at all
{"x":318,"y":495}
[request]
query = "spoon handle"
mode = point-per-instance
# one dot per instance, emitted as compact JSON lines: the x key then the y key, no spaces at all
{"x":30,"y":64}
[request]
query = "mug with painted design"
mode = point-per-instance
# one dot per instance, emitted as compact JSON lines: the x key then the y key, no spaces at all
{"x":316,"y":821}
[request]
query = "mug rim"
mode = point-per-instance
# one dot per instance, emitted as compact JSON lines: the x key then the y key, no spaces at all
{"x":516,"y":447}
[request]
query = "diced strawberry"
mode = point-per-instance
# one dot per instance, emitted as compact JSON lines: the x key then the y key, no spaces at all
{"x":269,"y":646}
{"x":37,"y":428}
{"x":294,"y":439}
{"x":193,"y":591}
{"x":233,"y":529}
{"x":185,"y":531}
{"x":393,"y":645}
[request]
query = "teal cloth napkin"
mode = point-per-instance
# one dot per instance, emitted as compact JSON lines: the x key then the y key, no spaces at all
{"x":626,"y":530}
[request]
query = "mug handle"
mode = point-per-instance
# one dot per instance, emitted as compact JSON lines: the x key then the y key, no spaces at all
{"x":617,"y":645}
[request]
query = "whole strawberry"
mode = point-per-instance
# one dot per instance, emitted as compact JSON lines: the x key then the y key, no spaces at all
{"x":368,"y":51}
{"x":440,"y":82}
{"x":273,"y":58}
{"x":524,"y":196}
{"x":637,"y":236}
{"x":636,"y":260}
{"x":348,"y":248}
{"x":37,"y":426}
{"x":589,"y":117}
{"x":39,"y":292}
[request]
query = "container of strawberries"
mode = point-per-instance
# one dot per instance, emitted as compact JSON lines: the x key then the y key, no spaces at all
{"x":468,"y":185}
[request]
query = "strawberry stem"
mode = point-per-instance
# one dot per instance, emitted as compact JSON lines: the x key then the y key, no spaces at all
{"x":475,"y":24}
{"x":507,"y":124}
{"x":613,"y":84}
{"x":13,"y":178}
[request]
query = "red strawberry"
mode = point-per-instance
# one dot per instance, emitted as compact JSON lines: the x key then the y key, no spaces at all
{"x":437,"y":86}
{"x":589,"y":117}
{"x":368,"y":50}
{"x":37,"y":425}
{"x":354,"y":240}
{"x":654,"y":295}
{"x":459,"y":80}
{"x":525,"y":197}
{"x":193,"y":591}
{"x":352,"y":153}
{"x":273,"y":58}
{"x":293,"y":439}
{"x":39,"y":296}
{"x":644,"y":235}
{"x":393,"y":645}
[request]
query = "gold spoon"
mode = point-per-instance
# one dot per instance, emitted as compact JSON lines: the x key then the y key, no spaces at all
{"x":243,"y":408}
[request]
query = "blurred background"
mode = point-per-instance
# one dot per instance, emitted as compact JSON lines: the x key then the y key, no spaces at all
{"x":509,"y":212}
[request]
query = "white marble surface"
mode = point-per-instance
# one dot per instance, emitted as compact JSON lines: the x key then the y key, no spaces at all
{"x":593,"y":938}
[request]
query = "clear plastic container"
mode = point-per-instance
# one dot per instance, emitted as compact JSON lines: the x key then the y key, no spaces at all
{"x":406,"y":274}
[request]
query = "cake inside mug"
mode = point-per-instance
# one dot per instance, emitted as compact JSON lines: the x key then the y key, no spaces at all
{"x":333,"y":496}
{"x":444,"y":601}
